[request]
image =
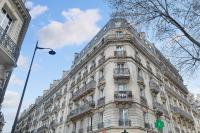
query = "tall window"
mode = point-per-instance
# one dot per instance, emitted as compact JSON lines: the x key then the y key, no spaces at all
{"x":81,"y":124}
{"x":140,"y":73}
{"x":145,"y":117}
{"x":5,"y":20}
{"x":90,"y":123}
{"x":100,"y":117}
{"x":101,"y":74}
{"x":101,"y":92}
{"x":74,"y":126}
{"x":121,"y":86}
{"x":142,"y":92}
{"x":123,"y":115}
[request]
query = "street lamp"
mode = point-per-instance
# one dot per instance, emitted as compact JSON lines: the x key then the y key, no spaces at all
{"x":51,"y":52}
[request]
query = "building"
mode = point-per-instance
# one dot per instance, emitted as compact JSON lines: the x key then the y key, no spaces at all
{"x":118,"y":81}
{"x":14,"y":21}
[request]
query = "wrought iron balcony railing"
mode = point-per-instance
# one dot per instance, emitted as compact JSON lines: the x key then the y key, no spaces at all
{"x":48,"y":103}
{"x":101,"y":102}
{"x":121,"y":73}
{"x":124,"y":122}
{"x":120,"y":53}
{"x":82,"y":110}
{"x":8,"y":45}
{"x":84,"y":90}
{"x":154,"y":87}
{"x":123,"y":96}
{"x":160,"y":108}
{"x":182,"y":113}
{"x":175,"y":94}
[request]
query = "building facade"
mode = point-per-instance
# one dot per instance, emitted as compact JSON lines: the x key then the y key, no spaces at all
{"x":118,"y":82}
{"x":14,"y":21}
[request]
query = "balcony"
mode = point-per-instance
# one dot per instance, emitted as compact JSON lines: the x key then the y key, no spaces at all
{"x":101,"y":102}
{"x":143,"y":101}
{"x":123,"y":97}
{"x":160,"y":108}
{"x":121,"y":73}
{"x":44,"y":116}
{"x":174,"y":93}
{"x":42,"y":129}
{"x":100,"y":125}
{"x":90,"y":87}
{"x":154,"y":87}
{"x":48,"y":103}
{"x":80,"y":130}
{"x":81,"y":111}
{"x":181,"y":113}
{"x":124,"y":122}
{"x":58,"y":95}
{"x":9,"y":51}
{"x":101,"y":60}
{"x":120,"y":54}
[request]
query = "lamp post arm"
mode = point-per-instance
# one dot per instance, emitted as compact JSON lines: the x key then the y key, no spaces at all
{"x":24,"y":89}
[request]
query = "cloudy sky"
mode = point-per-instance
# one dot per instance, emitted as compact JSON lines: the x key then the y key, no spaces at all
{"x":66,"y":26}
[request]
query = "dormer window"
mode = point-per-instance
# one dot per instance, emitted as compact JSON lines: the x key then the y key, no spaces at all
{"x":118,"y":24}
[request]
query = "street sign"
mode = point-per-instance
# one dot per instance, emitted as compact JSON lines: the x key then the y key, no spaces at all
{"x":124,"y":131}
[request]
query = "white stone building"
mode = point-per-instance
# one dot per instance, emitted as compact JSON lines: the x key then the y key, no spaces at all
{"x":118,"y":82}
{"x":14,"y":21}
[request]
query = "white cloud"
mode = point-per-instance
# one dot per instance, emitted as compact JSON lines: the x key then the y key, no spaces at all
{"x":79,"y":26}
{"x":11,"y":99}
{"x":29,"y":4}
{"x":15,"y":81}
{"x":22,"y":62}
{"x":36,"y":10}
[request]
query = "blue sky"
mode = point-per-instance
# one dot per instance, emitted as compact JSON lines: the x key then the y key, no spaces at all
{"x":66,"y":26}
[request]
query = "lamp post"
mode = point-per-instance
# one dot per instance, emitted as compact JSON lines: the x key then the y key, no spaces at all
{"x":51,"y":52}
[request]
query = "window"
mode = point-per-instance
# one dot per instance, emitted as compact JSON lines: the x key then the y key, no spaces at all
{"x":119,"y":48}
{"x":101,"y":93}
{"x":120,"y":65}
{"x":123,"y":115}
{"x":5,"y":20}
{"x":145,"y":117}
{"x":90,"y":123}
{"x":121,"y":86}
{"x":91,"y":98}
{"x":154,"y":98}
{"x":74,"y":126}
{"x":140,"y":73}
{"x":101,"y":74}
{"x":142,"y":92}
{"x":81,"y":124}
{"x":100,"y":117}
{"x":119,"y":34}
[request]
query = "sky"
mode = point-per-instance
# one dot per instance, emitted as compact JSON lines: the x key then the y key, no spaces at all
{"x":66,"y":26}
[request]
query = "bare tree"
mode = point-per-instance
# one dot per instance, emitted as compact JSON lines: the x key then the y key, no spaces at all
{"x":176,"y":23}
